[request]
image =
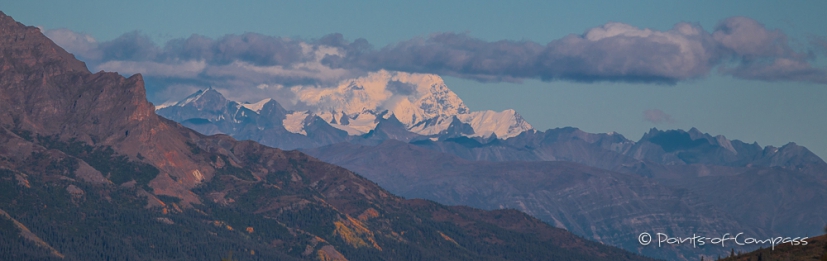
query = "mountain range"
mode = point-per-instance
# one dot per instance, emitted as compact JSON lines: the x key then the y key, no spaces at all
{"x":88,"y":171}
{"x":601,"y":186}
{"x":412,"y":105}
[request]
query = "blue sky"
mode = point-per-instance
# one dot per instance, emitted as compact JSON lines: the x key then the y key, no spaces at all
{"x":748,"y":102}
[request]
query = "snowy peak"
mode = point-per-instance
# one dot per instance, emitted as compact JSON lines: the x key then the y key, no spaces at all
{"x":256,"y":107}
{"x":422,"y":102}
{"x":504,"y":124}
{"x":411,"y":97}
{"x":208,"y":99}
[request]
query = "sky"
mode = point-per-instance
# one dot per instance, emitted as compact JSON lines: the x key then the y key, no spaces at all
{"x":749,"y":70}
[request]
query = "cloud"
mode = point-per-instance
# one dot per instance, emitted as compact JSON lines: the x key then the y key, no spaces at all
{"x":756,"y":53}
{"x":657,"y":116}
{"x":188,"y":69}
{"x":621,"y":52}
{"x":749,"y":39}
{"x":778,"y":69}
{"x":449,"y":54}
{"x":737,"y":46}
{"x":257,"y":49}
{"x":79,"y":44}
{"x":132,"y":46}
{"x":238,"y":62}
{"x":742,"y":47}
{"x":401,"y":88}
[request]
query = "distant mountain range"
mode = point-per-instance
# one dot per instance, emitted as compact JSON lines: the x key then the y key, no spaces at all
{"x":439,"y":121}
{"x":88,"y":171}
{"x":600,"y":186}
{"x":428,"y":110}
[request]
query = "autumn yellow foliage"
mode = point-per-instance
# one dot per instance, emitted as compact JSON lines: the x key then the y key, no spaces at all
{"x":348,"y":235}
{"x":368,"y":214}
{"x":447,"y":238}
{"x":355,"y":233}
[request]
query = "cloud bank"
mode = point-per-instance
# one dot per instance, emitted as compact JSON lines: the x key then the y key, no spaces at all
{"x":739,"y":47}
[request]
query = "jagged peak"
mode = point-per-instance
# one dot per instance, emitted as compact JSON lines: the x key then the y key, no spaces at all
{"x":392,"y":120}
{"x":457,"y":128}
{"x":259,"y":105}
{"x":649,"y":134}
{"x":28,"y":47}
{"x":197,"y":99}
{"x":722,"y":141}
{"x":66,"y":84}
{"x":791,"y":145}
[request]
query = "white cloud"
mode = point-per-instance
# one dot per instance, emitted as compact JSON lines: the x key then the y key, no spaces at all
{"x":80,"y":44}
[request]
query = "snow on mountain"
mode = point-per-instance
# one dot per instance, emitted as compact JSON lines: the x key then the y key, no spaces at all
{"x":504,"y":124}
{"x":294,"y":122}
{"x":192,"y":98}
{"x":256,"y":107}
{"x":164,"y":105}
{"x":421,"y":102}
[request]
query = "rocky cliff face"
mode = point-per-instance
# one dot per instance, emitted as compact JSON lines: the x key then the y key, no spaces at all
{"x":87,"y":166}
{"x":48,"y":92}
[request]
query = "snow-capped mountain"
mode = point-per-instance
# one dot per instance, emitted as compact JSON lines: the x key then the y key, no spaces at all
{"x":421,"y":103}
